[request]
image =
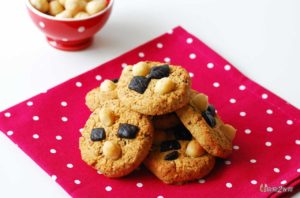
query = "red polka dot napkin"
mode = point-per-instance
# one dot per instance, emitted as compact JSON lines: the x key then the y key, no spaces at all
{"x":266,"y":150}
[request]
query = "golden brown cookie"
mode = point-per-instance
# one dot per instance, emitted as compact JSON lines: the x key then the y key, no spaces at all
{"x":154,"y":88}
{"x":115,"y":140}
{"x":166,"y":121}
{"x":177,"y":161}
{"x":207,"y":128}
{"x":106,"y":91}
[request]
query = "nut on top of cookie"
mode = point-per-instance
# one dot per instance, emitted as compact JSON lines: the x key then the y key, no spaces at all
{"x":154,"y":88}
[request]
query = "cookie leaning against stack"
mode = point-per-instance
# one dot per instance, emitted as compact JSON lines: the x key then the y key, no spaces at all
{"x":153,"y":99}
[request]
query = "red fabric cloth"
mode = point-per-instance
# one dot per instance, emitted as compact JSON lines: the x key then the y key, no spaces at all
{"x":266,"y":148}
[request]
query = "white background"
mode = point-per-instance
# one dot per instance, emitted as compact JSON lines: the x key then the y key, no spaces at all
{"x":259,"y":37}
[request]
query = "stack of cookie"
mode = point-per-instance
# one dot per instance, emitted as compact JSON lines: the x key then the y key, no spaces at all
{"x":151,"y":115}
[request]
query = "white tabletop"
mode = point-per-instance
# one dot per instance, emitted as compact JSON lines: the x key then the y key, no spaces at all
{"x":259,"y":37}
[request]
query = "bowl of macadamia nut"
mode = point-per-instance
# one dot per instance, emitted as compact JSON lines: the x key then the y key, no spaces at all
{"x":69,"y":24}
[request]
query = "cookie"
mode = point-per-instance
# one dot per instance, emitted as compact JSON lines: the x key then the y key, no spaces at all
{"x":106,"y":91}
{"x":154,"y":88}
{"x":177,"y":161}
{"x":205,"y":125}
{"x":166,"y":121}
{"x":115,"y":140}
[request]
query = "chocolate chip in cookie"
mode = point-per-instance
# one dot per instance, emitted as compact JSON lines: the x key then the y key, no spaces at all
{"x":172,"y":156}
{"x":182,"y":133}
{"x":139,"y":84}
{"x":169,"y":145}
{"x":128,"y":131}
{"x":211,"y":109}
{"x":209,"y":118}
{"x":159,"y":72}
{"x":98,"y":134}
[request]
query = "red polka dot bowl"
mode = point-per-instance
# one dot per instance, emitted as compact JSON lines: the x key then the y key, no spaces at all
{"x":69,"y":34}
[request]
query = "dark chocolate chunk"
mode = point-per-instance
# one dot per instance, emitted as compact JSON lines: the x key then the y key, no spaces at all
{"x":182,"y":133}
{"x":159,"y":72}
{"x":209,"y":118}
{"x":128,"y":131}
{"x":98,"y":134}
{"x":115,"y":80}
{"x":212,"y":110}
{"x":139,"y":84}
{"x":169,"y":145}
{"x":172,"y":155}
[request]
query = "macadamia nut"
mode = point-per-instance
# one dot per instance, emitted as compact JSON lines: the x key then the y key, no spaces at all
{"x":95,"y":6}
{"x":62,"y":2}
{"x":200,"y":102}
{"x":194,"y":149}
{"x":81,"y":15}
{"x":41,"y":5}
{"x":229,"y":131}
{"x":107,"y":117}
{"x":112,"y":150}
{"x":64,"y":14}
{"x":55,"y":8}
{"x":164,"y":85}
{"x":107,"y":85}
{"x":140,"y":69}
{"x":75,"y":6}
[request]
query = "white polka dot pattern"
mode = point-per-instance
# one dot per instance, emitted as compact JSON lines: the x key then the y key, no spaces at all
{"x":58,"y":137}
{"x":108,"y":188}
{"x":7,"y":114}
{"x":276,"y":170}
{"x":264,"y":96}
{"x":64,"y":103}
{"x":70,"y":165}
{"x":268,"y":144}
{"x":227,"y":67}
{"x":64,"y":119}
{"x":81,"y":29}
{"x":210,"y":65}
{"x":288,"y":157}
{"x":78,"y":84}
{"x":159,"y":45}
{"x":289,"y":122}
{"x":216,"y":84}
{"x":269,"y":111}
{"x":98,"y":77}
{"x":29,"y":103}
{"x":247,"y":131}
{"x":167,"y":60}
{"x":236,"y":147}
{"x":76,"y":181}
{"x":42,"y":24}
{"x":53,"y":151}
{"x":243,"y":114}
{"x":189,"y":40}
{"x":229,"y":185}
{"x":242,"y":87}
{"x":232,"y":100}
{"x":254,"y":182}
{"x":192,"y":56}
{"x":141,"y":55}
